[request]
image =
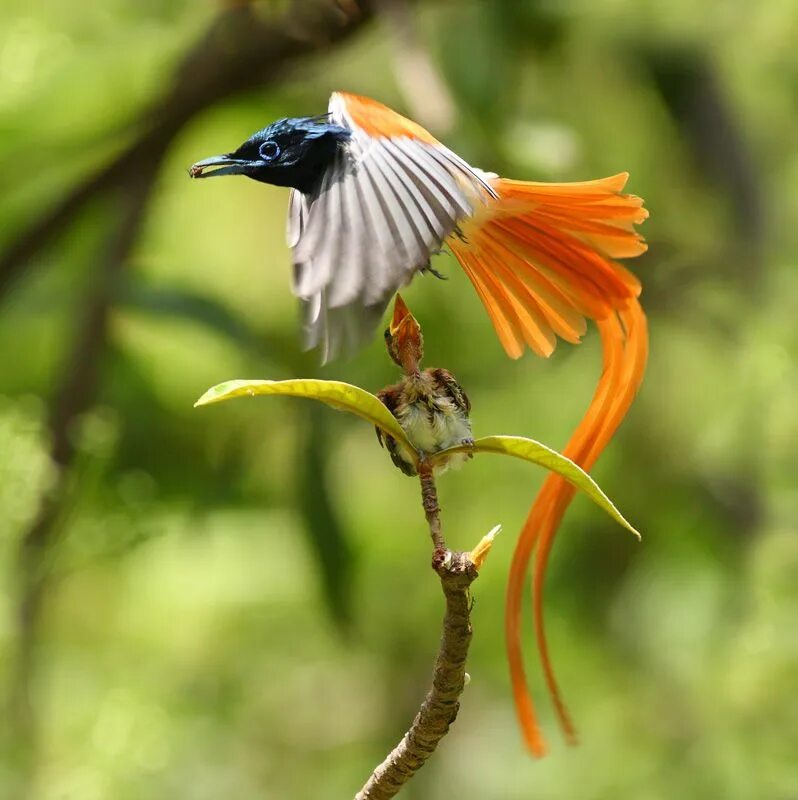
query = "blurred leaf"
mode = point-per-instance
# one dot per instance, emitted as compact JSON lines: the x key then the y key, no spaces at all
{"x":190,"y":306}
{"x":537,"y":453}
{"x":339,"y":395}
{"x":316,"y":504}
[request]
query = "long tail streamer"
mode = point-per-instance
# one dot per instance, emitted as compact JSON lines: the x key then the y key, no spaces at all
{"x":542,"y":260}
{"x":625,"y":344}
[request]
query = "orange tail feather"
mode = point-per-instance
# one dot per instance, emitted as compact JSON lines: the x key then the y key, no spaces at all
{"x":541,"y":261}
{"x":625,"y":340}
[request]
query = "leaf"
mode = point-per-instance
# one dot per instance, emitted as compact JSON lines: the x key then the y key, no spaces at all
{"x":339,"y":395}
{"x":537,"y":453}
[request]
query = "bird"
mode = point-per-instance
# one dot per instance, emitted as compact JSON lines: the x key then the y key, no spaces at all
{"x":430,"y":405}
{"x":374,"y":196}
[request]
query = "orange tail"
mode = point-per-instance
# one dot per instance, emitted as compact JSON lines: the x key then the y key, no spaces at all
{"x":541,"y":261}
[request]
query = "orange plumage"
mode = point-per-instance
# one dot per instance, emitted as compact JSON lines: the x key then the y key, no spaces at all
{"x":377,"y":119}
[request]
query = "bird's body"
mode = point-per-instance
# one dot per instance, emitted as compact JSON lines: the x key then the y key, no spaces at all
{"x":433,"y":411}
{"x":430,"y":405}
{"x":374,"y":196}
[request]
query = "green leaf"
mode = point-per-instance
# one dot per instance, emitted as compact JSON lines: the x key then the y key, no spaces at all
{"x":537,"y":453}
{"x":339,"y":395}
{"x":346,"y":397}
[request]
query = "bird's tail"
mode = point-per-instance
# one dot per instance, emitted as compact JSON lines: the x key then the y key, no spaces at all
{"x":542,"y":260}
{"x":625,"y":348}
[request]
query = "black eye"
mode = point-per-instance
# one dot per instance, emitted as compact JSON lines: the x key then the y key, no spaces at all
{"x":269,"y":151}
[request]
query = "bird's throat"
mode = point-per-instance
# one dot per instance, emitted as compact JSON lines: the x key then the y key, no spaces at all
{"x":410,"y":365}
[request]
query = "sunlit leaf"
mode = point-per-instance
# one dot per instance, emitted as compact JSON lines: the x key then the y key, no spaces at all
{"x":337,"y":394}
{"x":537,"y":453}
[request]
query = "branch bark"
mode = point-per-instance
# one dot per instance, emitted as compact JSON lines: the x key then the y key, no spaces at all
{"x":432,"y":511}
{"x":457,"y":571}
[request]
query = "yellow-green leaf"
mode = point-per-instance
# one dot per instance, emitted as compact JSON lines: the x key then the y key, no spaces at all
{"x":537,"y":453}
{"x":337,"y":394}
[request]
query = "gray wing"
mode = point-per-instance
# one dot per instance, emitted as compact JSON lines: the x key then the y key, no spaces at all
{"x":380,"y":211}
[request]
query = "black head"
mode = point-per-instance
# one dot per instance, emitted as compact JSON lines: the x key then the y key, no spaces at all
{"x":289,"y":152}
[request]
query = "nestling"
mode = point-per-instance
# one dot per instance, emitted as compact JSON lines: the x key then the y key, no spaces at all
{"x":430,"y":405}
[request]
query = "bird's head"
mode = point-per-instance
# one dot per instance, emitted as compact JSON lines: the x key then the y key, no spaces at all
{"x":289,"y":152}
{"x":403,"y":338}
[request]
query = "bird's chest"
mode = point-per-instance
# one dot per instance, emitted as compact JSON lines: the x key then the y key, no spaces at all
{"x":432,"y":422}
{"x":428,"y":426}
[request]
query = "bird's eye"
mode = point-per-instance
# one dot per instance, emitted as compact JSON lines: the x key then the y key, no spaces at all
{"x":269,"y":151}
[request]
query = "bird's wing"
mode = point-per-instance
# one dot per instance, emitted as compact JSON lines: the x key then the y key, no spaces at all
{"x":449,"y":384}
{"x":390,"y":397}
{"x":385,"y":205}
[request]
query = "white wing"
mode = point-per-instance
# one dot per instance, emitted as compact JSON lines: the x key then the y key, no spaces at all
{"x":380,"y":211}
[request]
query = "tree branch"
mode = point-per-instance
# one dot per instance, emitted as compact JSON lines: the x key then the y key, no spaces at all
{"x":457,"y":571}
{"x":432,"y":511}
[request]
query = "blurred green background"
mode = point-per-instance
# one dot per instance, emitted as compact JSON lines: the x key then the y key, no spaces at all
{"x":235,"y":601}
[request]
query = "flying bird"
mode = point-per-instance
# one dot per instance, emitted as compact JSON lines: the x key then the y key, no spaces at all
{"x":429,"y":404}
{"x":374,"y":196}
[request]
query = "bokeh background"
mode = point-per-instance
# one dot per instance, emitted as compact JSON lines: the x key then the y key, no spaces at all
{"x":235,"y":602}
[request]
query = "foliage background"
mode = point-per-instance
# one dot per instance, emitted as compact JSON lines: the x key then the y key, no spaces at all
{"x":236,"y":599}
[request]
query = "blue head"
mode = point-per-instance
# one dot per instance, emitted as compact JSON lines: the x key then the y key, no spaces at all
{"x":289,"y":152}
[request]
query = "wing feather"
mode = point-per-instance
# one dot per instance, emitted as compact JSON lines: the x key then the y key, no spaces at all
{"x":327,"y":258}
{"x":377,"y":212}
{"x":403,"y":210}
{"x":387,"y":203}
{"x":296,"y":218}
{"x":424,"y":218}
{"x":306,"y":250}
{"x":439,"y":183}
{"x":438,"y":221}
{"x":456,"y":166}
{"x":349,"y":276}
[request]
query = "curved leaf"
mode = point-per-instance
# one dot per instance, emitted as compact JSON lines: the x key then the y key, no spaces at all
{"x":537,"y":453}
{"x":339,"y":395}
